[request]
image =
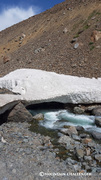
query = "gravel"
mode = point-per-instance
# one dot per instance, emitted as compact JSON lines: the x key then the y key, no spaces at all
{"x":25,"y":155}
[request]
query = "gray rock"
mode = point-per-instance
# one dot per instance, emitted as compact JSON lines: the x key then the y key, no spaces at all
{"x":76,"y":45}
{"x":19,"y":114}
{"x":87,"y":158}
{"x":79,"y":110}
{"x":75,"y":137}
{"x":98,"y":121}
{"x":65,"y":139}
{"x":79,"y":153}
{"x":96,"y":135}
{"x":39,"y":117}
{"x":98,"y":157}
{"x":79,"y":128}
{"x":96,"y":111}
{"x":83,"y":135}
{"x":39,"y":50}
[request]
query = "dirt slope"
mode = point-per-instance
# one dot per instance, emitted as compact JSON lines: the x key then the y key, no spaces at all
{"x":65,"y":39}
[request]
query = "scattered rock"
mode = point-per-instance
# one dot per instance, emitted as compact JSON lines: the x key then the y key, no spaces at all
{"x":65,"y":30}
{"x":98,"y":157}
{"x":73,"y":130}
{"x":78,"y":110}
{"x":39,"y":117}
{"x":65,"y":139}
{"x":83,"y":135}
{"x":76,"y":45}
{"x":88,"y":151}
{"x":86,"y":140}
{"x":79,"y":128}
{"x":96,"y":135}
{"x":87,"y":158}
{"x":98,"y":121}
{"x":6,"y":59}
{"x":39,"y":50}
{"x":97,"y":111}
{"x":75,"y":137}
{"x":19,"y":114}
{"x":79,"y":153}
{"x":95,"y":36}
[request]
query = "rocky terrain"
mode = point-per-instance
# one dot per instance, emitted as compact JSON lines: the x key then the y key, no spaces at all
{"x":65,"y":39}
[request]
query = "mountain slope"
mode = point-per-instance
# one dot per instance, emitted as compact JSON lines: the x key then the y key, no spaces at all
{"x":61,"y":39}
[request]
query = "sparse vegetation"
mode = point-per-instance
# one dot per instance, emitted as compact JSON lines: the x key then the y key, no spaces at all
{"x":92,"y":47}
{"x":91,"y":43}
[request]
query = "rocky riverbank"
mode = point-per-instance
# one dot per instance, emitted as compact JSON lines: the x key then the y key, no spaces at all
{"x":28,"y":156}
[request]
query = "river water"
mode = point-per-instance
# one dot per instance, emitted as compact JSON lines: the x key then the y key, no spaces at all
{"x":57,"y":119}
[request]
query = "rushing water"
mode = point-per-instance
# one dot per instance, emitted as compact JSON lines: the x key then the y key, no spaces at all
{"x":57,"y":119}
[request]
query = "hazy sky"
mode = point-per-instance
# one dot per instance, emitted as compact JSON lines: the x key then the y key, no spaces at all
{"x":14,"y":11}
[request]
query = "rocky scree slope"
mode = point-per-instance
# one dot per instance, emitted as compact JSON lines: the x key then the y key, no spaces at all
{"x":65,"y":39}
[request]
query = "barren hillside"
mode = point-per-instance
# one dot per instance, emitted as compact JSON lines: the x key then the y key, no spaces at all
{"x":65,"y":39}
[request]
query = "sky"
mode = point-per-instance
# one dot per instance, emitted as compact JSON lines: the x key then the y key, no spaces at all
{"x":14,"y":11}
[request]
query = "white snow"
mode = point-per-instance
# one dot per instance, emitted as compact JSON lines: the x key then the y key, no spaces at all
{"x":36,"y":86}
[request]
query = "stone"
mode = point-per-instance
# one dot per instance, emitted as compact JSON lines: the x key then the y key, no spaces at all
{"x":6,"y":59}
{"x":86,"y":140}
{"x":96,"y":135}
{"x":39,"y":50}
{"x":73,"y":130}
{"x":76,"y":45}
{"x":98,"y":121}
{"x":79,"y":128}
{"x":38,"y":117}
{"x":19,"y":114}
{"x":65,"y":139}
{"x":88,"y":151}
{"x":79,"y":153}
{"x":75,"y":137}
{"x":65,"y":30}
{"x":95,"y":36}
{"x":83,"y":135}
{"x":98,"y":157}
{"x":87,"y":158}
{"x":78,"y":110}
{"x":96,"y":111}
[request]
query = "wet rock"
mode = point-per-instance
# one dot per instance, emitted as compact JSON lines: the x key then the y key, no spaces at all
{"x":19,"y":114}
{"x":79,"y":128}
{"x":96,"y":111}
{"x":98,"y":121}
{"x":39,"y":117}
{"x":75,"y":137}
{"x":83,"y":135}
{"x":96,"y":135}
{"x":78,"y":110}
{"x":73,"y":130}
{"x":79,"y":153}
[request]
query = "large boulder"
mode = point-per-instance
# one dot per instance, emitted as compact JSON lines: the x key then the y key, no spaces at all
{"x":97,"y":111}
{"x":98,"y":121}
{"x":19,"y":114}
{"x":96,"y":135}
